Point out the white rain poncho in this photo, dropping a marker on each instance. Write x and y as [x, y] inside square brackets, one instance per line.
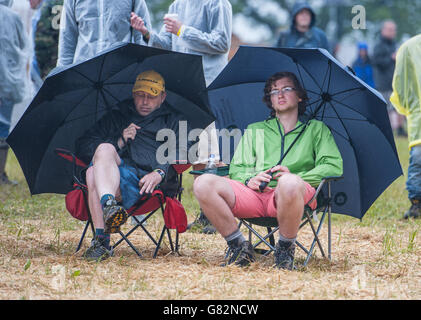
[207, 28]
[406, 96]
[13, 52]
[91, 26]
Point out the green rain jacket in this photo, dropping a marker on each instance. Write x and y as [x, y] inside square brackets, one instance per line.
[313, 156]
[406, 96]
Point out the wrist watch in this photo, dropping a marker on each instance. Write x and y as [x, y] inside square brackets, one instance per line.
[247, 181]
[161, 172]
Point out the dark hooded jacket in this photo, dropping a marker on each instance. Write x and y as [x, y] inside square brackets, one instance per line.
[383, 64]
[313, 38]
[141, 152]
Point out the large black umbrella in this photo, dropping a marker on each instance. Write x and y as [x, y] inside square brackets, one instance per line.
[72, 99]
[355, 113]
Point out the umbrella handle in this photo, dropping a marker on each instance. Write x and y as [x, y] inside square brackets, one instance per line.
[264, 184]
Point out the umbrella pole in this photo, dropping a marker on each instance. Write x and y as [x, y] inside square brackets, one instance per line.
[329, 225]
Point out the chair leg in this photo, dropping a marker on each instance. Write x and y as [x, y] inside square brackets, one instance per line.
[159, 242]
[85, 229]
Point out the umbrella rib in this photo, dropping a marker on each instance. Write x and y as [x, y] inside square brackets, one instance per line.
[349, 107]
[342, 123]
[348, 90]
[309, 74]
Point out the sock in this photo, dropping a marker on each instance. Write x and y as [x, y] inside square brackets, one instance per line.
[283, 239]
[103, 237]
[235, 239]
[105, 198]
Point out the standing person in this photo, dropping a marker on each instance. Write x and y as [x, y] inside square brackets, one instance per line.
[200, 27]
[13, 54]
[406, 98]
[362, 65]
[314, 156]
[303, 33]
[89, 27]
[383, 59]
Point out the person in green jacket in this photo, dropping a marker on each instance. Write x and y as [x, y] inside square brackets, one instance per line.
[313, 156]
[406, 98]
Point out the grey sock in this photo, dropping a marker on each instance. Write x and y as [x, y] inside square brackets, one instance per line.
[283, 239]
[235, 239]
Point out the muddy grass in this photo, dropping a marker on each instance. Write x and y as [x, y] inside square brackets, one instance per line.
[376, 258]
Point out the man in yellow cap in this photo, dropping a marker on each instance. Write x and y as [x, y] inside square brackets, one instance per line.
[122, 148]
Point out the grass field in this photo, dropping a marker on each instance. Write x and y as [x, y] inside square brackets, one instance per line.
[376, 258]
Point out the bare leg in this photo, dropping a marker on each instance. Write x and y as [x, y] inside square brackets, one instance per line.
[93, 200]
[106, 172]
[289, 196]
[216, 198]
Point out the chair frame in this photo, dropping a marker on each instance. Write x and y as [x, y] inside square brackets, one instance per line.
[272, 225]
[77, 179]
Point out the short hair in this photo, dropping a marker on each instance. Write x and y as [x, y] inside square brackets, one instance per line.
[301, 92]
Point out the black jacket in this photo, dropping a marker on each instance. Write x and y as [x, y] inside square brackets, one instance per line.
[142, 151]
[383, 64]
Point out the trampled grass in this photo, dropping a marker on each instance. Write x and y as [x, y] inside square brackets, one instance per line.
[375, 258]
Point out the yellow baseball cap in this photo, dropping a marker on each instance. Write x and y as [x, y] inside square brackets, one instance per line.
[149, 81]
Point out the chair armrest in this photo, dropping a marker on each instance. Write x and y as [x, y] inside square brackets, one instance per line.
[70, 156]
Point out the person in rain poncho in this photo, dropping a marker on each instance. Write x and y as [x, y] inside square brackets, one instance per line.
[201, 27]
[13, 44]
[406, 98]
[89, 27]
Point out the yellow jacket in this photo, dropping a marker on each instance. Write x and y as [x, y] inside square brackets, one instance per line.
[406, 96]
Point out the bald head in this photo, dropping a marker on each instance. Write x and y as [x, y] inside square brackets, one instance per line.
[389, 29]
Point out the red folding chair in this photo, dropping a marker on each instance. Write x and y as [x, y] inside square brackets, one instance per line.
[169, 204]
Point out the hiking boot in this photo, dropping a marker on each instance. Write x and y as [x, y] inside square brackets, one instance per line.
[114, 217]
[97, 251]
[202, 224]
[414, 211]
[284, 255]
[241, 255]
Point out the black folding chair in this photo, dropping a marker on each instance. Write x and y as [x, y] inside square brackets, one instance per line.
[324, 198]
[147, 205]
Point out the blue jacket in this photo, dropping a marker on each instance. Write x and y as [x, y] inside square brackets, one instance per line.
[364, 71]
[313, 38]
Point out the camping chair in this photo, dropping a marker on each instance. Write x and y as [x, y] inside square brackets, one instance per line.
[324, 198]
[77, 205]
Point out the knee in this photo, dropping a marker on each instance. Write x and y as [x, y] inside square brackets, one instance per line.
[203, 185]
[290, 187]
[104, 150]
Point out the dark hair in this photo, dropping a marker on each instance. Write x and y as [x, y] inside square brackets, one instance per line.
[297, 85]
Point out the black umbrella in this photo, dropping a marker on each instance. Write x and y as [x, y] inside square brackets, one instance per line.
[355, 113]
[73, 98]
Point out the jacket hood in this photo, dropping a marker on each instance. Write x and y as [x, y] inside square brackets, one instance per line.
[7, 3]
[298, 6]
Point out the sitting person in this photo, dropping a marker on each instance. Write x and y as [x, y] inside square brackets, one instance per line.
[122, 148]
[313, 156]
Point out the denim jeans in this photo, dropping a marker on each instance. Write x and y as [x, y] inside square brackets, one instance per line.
[413, 182]
[6, 108]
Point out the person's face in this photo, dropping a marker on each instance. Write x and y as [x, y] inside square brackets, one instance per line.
[146, 103]
[363, 53]
[284, 96]
[389, 30]
[303, 18]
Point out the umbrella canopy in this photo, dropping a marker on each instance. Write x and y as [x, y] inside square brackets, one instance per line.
[355, 113]
[73, 98]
